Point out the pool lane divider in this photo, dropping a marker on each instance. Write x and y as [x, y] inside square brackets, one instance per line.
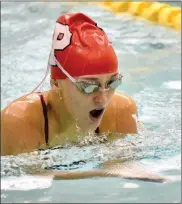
[155, 12]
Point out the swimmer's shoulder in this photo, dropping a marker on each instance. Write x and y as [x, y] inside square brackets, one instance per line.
[26, 107]
[123, 102]
[120, 115]
[21, 122]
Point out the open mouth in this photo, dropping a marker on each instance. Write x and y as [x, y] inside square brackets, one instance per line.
[96, 113]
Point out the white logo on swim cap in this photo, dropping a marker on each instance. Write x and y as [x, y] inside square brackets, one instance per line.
[60, 44]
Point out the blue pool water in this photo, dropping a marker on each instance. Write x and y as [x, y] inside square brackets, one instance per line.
[149, 58]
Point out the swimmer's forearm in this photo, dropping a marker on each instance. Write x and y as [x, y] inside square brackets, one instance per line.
[106, 173]
[77, 175]
[110, 169]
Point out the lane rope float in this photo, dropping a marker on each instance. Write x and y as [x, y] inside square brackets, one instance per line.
[155, 12]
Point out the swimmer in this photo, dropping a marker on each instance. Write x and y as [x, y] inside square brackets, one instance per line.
[82, 99]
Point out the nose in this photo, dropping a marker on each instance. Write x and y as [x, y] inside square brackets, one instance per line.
[101, 98]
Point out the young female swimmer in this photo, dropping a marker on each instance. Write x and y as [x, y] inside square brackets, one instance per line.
[84, 77]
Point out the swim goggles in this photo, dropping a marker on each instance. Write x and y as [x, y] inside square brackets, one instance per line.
[89, 87]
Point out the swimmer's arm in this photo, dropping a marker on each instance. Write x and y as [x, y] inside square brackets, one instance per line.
[119, 170]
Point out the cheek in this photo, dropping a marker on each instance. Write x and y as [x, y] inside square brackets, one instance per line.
[74, 99]
[69, 95]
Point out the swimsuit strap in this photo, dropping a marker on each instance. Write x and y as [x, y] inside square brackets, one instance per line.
[97, 130]
[46, 125]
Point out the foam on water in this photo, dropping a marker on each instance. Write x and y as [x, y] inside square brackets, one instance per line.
[25, 183]
[131, 185]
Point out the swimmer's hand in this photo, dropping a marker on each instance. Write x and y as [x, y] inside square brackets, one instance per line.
[126, 171]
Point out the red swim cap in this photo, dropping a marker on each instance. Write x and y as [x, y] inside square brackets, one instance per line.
[81, 47]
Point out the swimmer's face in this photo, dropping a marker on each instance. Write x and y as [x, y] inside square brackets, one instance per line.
[88, 109]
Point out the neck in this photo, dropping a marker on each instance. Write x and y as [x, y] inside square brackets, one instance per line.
[64, 124]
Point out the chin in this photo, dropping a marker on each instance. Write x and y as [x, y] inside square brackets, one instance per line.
[90, 126]
[94, 125]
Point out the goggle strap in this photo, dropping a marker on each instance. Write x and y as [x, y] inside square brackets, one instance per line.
[64, 71]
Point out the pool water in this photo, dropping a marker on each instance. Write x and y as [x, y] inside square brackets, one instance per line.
[150, 60]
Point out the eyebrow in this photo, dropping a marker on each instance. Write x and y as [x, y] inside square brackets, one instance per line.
[96, 79]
